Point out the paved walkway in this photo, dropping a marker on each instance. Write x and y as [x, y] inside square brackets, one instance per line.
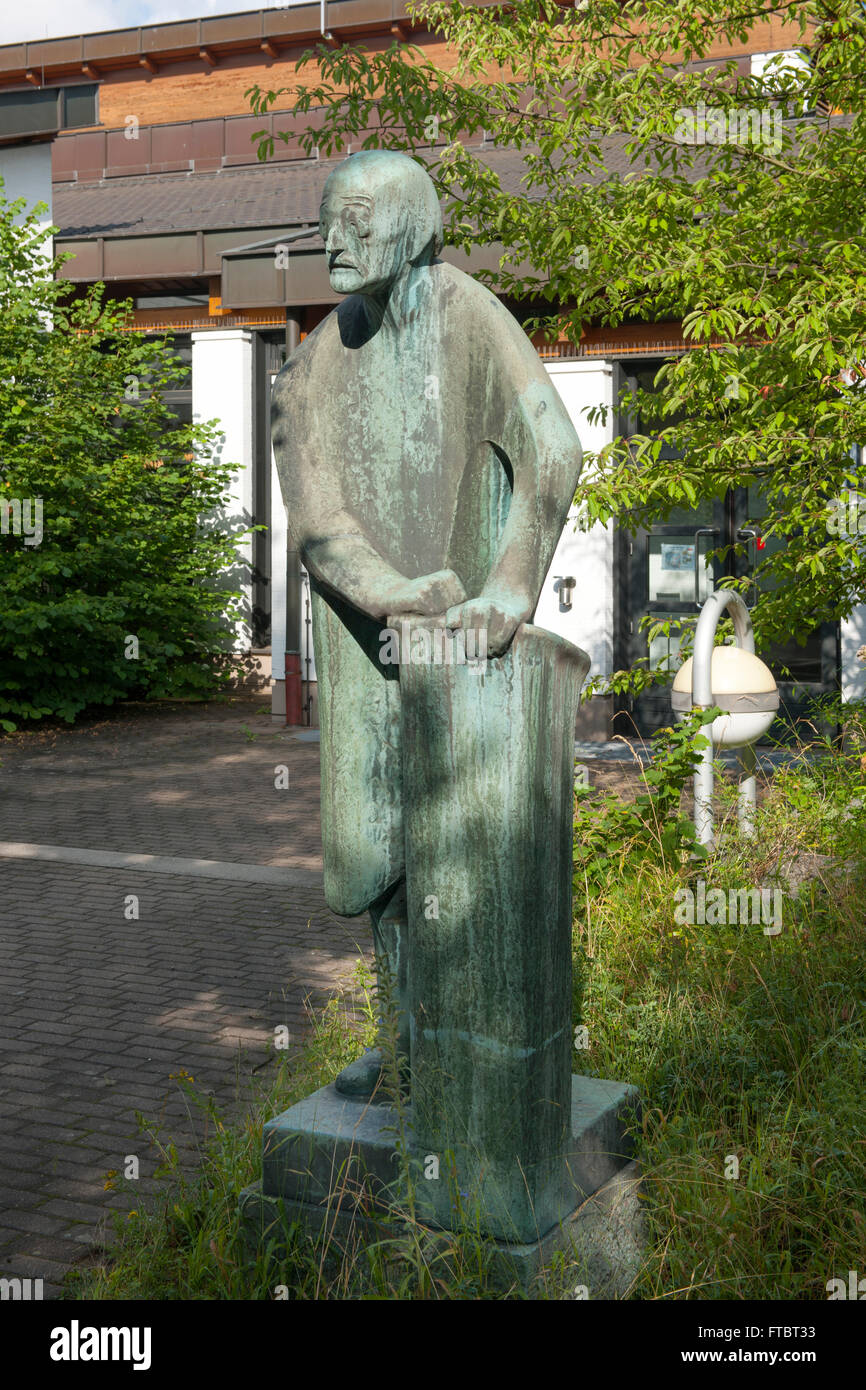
[160, 911]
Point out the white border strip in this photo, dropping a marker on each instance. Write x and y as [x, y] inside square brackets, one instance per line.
[164, 864]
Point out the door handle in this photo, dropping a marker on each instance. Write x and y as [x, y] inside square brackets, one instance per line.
[702, 531]
[748, 534]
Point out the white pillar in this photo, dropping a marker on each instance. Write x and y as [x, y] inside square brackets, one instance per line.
[26, 173]
[585, 555]
[853, 633]
[222, 389]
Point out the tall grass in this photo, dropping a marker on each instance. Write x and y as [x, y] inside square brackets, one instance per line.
[748, 1050]
[745, 1046]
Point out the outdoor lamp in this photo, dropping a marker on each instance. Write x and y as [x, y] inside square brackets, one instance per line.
[732, 679]
[743, 686]
[564, 586]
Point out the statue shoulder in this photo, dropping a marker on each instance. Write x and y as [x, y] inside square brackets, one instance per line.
[307, 358]
[489, 313]
[494, 329]
[454, 284]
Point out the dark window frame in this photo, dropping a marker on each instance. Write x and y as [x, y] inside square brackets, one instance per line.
[35, 111]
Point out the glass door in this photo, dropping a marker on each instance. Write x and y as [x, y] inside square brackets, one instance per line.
[664, 575]
[804, 671]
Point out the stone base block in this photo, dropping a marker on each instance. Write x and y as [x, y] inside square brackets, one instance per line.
[601, 1240]
[332, 1164]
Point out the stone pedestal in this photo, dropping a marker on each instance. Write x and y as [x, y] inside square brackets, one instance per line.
[488, 787]
[497, 1136]
[333, 1165]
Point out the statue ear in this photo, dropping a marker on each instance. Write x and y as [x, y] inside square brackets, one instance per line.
[429, 251]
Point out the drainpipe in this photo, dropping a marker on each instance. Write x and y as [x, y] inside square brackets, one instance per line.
[294, 688]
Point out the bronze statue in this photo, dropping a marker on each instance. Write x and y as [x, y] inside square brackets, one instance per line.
[427, 467]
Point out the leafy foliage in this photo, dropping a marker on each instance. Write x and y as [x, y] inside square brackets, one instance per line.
[752, 235]
[131, 542]
[651, 828]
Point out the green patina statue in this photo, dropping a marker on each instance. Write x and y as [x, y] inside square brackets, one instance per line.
[427, 465]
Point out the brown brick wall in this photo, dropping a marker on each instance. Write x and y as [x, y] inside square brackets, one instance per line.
[191, 90]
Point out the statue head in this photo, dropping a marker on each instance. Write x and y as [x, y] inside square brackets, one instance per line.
[379, 213]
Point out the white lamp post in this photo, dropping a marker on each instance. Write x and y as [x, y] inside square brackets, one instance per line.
[737, 682]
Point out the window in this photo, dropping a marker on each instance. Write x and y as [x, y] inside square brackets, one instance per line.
[28, 113]
[78, 106]
[47, 109]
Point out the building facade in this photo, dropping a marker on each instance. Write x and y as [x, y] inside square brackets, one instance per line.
[141, 141]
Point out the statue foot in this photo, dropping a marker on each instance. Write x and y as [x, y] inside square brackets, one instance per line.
[362, 1077]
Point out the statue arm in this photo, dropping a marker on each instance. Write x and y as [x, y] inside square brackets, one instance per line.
[334, 546]
[543, 450]
[347, 562]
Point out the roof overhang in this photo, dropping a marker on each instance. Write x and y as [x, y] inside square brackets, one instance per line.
[284, 270]
[257, 267]
[148, 46]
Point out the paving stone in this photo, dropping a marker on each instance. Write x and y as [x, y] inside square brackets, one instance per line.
[17, 1219]
[25, 1266]
[96, 1012]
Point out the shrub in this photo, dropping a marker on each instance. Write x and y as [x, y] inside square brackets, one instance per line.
[110, 510]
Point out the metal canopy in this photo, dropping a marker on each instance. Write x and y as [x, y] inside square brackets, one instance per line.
[256, 275]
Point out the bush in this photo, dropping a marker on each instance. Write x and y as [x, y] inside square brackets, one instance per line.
[113, 557]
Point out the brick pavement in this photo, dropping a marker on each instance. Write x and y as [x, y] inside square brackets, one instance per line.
[97, 1008]
[192, 782]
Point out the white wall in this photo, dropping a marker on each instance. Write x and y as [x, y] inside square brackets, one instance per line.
[305, 639]
[222, 389]
[785, 57]
[279, 549]
[853, 671]
[26, 173]
[587, 556]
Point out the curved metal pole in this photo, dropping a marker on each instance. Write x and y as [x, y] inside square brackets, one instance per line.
[702, 698]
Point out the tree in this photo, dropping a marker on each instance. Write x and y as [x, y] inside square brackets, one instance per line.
[741, 212]
[112, 553]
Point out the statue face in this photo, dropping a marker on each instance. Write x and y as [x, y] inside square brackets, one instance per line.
[346, 222]
[364, 248]
[379, 213]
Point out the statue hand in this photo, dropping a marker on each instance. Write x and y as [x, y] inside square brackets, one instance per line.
[430, 595]
[499, 617]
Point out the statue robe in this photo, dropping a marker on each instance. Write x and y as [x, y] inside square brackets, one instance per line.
[436, 443]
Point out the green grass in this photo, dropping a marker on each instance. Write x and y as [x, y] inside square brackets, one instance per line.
[187, 1244]
[744, 1046]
